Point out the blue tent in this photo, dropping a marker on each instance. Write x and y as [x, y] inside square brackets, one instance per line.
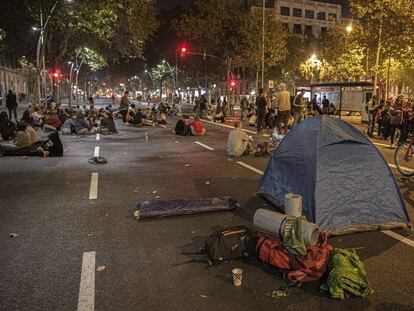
[345, 182]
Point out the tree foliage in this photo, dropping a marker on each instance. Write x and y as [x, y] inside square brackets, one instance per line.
[224, 29]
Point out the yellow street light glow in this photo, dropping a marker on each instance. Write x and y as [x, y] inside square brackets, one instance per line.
[349, 28]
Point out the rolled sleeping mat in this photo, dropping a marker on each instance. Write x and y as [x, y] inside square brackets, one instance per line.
[273, 223]
[293, 204]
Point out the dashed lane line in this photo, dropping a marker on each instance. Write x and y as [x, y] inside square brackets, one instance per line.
[96, 153]
[204, 146]
[93, 191]
[250, 167]
[399, 237]
[98, 136]
[86, 300]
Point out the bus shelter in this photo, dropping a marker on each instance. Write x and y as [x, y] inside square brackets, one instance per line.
[346, 96]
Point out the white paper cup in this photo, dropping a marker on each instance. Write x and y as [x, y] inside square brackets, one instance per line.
[237, 276]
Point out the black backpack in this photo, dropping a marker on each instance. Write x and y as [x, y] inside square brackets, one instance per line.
[55, 146]
[230, 243]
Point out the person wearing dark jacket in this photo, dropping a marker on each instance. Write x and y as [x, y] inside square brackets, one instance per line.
[181, 128]
[261, 107]
[7, 127]
[11, 104]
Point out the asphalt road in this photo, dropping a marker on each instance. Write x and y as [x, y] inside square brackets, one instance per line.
[47, 203]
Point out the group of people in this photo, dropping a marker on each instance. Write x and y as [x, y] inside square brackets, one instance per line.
[390, 118]
[283, 111]
[21, 138]
[137, 117]
[186, 126]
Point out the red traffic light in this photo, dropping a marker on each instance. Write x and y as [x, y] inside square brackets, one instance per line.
[183, 50]
[232, 83]
[55, 74]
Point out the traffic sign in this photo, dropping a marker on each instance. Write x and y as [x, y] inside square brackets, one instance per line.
[271, 84]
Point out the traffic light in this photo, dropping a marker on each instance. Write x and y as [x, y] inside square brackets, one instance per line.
[55, 75]
[183, 50]
[232, 83]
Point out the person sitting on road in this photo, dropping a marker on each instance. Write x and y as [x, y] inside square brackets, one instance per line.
[138, 119]
[151, 120]
[81, 126]
[23, 140]
[181, 128]
[69, 126]
[219, 114]
[196, 127]
[162, 119]
[91, 116]
[107, 125]
[239, 143]
[52, 123]
[7, 127]
[31, 131]
[63, 115]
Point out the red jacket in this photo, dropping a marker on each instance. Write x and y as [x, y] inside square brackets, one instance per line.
[198, 127]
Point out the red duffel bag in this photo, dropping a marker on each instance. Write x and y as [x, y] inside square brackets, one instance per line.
[310, 267]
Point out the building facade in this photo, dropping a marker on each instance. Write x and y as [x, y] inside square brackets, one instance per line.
[307, 18]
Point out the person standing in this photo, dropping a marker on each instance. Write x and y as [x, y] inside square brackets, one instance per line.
[261, 109]
[124, 106]
[396, 116]
[11, 104]
[325, 105]
[298, 107]
[244, 104]
[315, 107]
[372, 108]
[283, 109]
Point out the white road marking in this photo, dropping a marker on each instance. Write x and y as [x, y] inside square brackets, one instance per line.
[250, 167]
[93, 192]
[96, 153]
[399, 237]
[205, 146]
[86, 301]
[232, 127]
[98, 136]
[381, 145]
[162, 125]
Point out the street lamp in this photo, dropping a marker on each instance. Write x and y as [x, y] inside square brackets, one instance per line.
[349, 28]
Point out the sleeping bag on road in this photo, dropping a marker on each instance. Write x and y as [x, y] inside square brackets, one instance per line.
[163, 208]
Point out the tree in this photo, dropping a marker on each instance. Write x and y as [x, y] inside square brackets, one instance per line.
[2, 40]
[229, 31]
[250, 45]
[162, 73]
[387, 28]
[340, 57]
